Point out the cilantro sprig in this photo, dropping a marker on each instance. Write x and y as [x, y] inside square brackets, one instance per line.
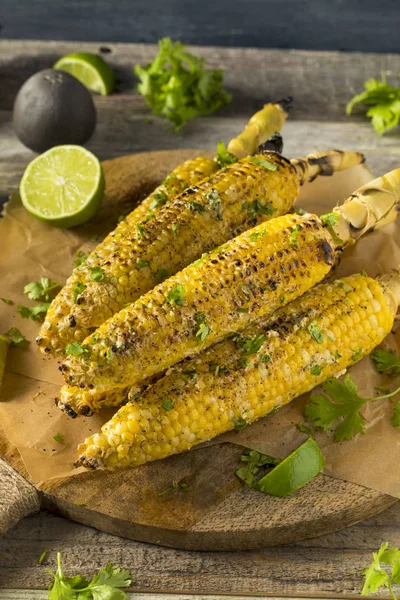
[384, 571]
[224, 158]
[341, 401]
[386, 361]
[254, 461]
[105, 585]
[44, 290]
[384, 101]
[177, 86]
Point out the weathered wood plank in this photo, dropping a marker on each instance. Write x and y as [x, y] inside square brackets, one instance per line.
[326, 566]
[39, 595]
[318, 25]
[321, 82]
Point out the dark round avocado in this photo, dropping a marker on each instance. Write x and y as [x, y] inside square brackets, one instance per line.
[53, 108]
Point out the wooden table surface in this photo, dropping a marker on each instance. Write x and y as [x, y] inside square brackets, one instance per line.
[321, 84]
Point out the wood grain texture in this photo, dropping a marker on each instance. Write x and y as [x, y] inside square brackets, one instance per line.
[319, 24]
[327, 566]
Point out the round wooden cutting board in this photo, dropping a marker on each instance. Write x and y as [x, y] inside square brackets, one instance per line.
[213, 511]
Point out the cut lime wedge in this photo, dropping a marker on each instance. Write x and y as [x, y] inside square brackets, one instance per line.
[294, 472]
[64, 186]
[91, 70]
[4, 343]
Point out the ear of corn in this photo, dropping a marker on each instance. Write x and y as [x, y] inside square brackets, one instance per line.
[251, 275]
[204, 216]
[248, 278]
[306, 343]
[59, 328]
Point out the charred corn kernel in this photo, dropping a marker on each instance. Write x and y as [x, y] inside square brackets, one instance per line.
[167, 240]
[270, 380]
[250, 276]
[55, 333]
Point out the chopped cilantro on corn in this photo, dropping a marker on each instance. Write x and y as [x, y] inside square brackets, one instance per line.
[330, 327]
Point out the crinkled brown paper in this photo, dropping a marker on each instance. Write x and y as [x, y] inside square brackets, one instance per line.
[30, 250]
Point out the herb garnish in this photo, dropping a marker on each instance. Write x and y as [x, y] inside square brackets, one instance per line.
[96, 274]
[76, 349]
[341, 400]
[176, 295]
[378, 575]
[167, 404]
[195, 206]
[161, 275]
[45, 289]
[315, 332]
[385, 104]
[262, 162]
[239, 423]
[203, 330]
[250, 345]
[254, 461]
[176, 85]
[386, 361]
[36, 313]
[293, 241]
[224, 158]
[7, 301]
[214, 201]
[79, 288]
[80, 258]
[160, 198]
[58, 438]
[15, 336]
[106, 585]
[258, 208]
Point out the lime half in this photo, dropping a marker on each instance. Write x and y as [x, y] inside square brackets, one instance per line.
[64, 186]
[91, 70]
[295, 471]
[4, 343]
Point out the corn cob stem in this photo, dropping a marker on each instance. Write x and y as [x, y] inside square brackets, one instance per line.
[100, 300]
[227, 385]
[260, 127]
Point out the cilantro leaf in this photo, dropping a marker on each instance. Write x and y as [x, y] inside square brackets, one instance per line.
[7, 301]
[330, 220]
[239, 423]
[293, 241]
[80, 258]
[96, 274]
[250, 345]
[45, 289]
[59, 438]
[79, 288]
[254, 460]
[202, 330]
[262, 162]
[224, 158]
[214, 201]
[384, 101]
[341, 400]
[161, 275]
[258, 208]
[386, 360]
[76, 349]
[159, 199]
[395, 420]
[315, 332]
[36, 313]
[253, 237]
[177, 86]
[377, 576]
[15, 336]
[167, 404]
[105, 585]
[176, 295]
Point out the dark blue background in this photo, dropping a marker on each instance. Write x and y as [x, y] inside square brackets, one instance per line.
[365, 25]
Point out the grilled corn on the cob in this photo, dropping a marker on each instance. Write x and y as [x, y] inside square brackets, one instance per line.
[312, 339]
[248, 278]
[102, 279]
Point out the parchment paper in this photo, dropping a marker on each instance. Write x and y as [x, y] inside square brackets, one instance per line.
[31, 249]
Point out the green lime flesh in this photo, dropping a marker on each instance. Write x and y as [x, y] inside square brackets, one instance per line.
[64, 186]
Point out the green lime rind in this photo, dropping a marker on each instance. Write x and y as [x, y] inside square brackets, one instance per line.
[4, 344]
[64, 186]
[91, 70]
[294, 472]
